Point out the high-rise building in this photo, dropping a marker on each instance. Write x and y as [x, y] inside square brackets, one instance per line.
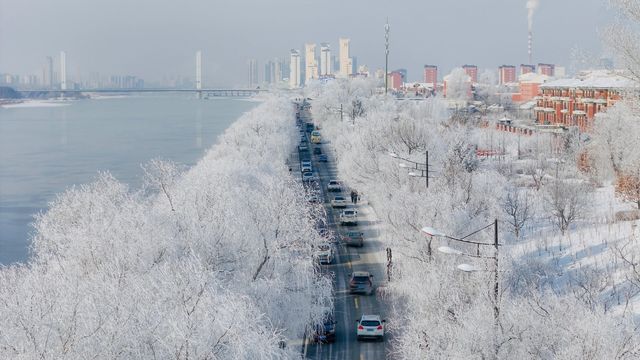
[396, 79]
[325, 60]
[48, 73]
[253, 73]
[277, 71]
[354, 65]
[507, 74]
[472, 71]
[294, 69]
[198, 70]
[310, 63]
[346, 63]
[335, 64]
[546, 69]
[431, 75]
[63, 70]
[525, 69]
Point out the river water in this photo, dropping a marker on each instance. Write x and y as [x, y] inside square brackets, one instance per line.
[46, 148]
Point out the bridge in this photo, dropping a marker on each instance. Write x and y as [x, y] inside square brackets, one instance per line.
[214, 92]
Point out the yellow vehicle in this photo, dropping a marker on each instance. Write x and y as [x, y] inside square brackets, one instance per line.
[315, 137]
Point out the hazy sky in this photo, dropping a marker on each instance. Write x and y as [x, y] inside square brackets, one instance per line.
[154, 38]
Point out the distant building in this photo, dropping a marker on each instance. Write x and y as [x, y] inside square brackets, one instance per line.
[546, 69]
[575, 102]
[325, 60]
[507, 74]
[472, 71]
[396, 80]
[294, 69]
[310, 63]
[253, 73]
[525, 69]
[48, 78]
[529, 85]
[346, 63]
[354, 65]
[431, 75]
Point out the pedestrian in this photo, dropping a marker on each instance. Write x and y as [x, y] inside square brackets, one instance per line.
[356, 196]
[353, 196]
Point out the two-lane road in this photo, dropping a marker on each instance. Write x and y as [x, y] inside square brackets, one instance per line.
[350, 307]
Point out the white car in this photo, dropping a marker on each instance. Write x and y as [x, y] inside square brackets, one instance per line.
[325, 254]
[334, 185]
[339, 202]
[370, 327]
[306, 166]
[349, 217]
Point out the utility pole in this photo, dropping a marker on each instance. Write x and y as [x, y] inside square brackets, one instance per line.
[496, 287]
[427, 167]
[386, 60]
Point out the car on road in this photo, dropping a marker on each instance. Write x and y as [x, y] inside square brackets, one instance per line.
[325, 254]
[303, 147]
[334, 185]
[353, 238]
[325, 332]
[309, 127]
[370, 327]
[361, 282]
[308, 176]
[305, 166]
[339, 202]
[323, 158]
[317, 151]
[349, 217]
[315, 137]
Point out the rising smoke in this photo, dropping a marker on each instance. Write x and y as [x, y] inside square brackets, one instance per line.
[531, 8]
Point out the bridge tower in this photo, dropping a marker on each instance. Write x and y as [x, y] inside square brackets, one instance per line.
[199, 73]
[63, 70]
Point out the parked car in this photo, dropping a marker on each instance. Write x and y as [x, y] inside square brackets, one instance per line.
[361, 282]
[334, 185]
[323, 158]
[349, 217]
[325, 332]
[317, 151]
[370, 327]
[353, 238]
[339, 202]
[309, 127]
[305, 166]
[325, 254]
[313, 198]
[303, 147]
[308, 176]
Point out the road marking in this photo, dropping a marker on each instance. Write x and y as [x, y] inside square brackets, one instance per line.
[355, 300]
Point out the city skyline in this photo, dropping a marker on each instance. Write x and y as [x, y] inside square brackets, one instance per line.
[163, 46]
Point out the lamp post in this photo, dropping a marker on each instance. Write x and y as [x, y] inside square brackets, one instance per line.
[386, 57]
[417, 166]
[470, 268]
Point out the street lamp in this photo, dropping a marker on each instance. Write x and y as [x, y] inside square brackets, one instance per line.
[386, 58]
[471, 268]
[418, 166]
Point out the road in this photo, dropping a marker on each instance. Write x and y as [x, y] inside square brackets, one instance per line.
[349, 308]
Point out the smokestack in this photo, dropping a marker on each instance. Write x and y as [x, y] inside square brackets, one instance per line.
[530, 47]
[531, 8]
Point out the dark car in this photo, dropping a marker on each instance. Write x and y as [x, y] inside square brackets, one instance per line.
[317, 151]
[361, 282]
[353, 238]
[323, 158]
[325, 332]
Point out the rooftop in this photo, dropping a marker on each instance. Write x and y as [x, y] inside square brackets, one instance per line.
[597, 79]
